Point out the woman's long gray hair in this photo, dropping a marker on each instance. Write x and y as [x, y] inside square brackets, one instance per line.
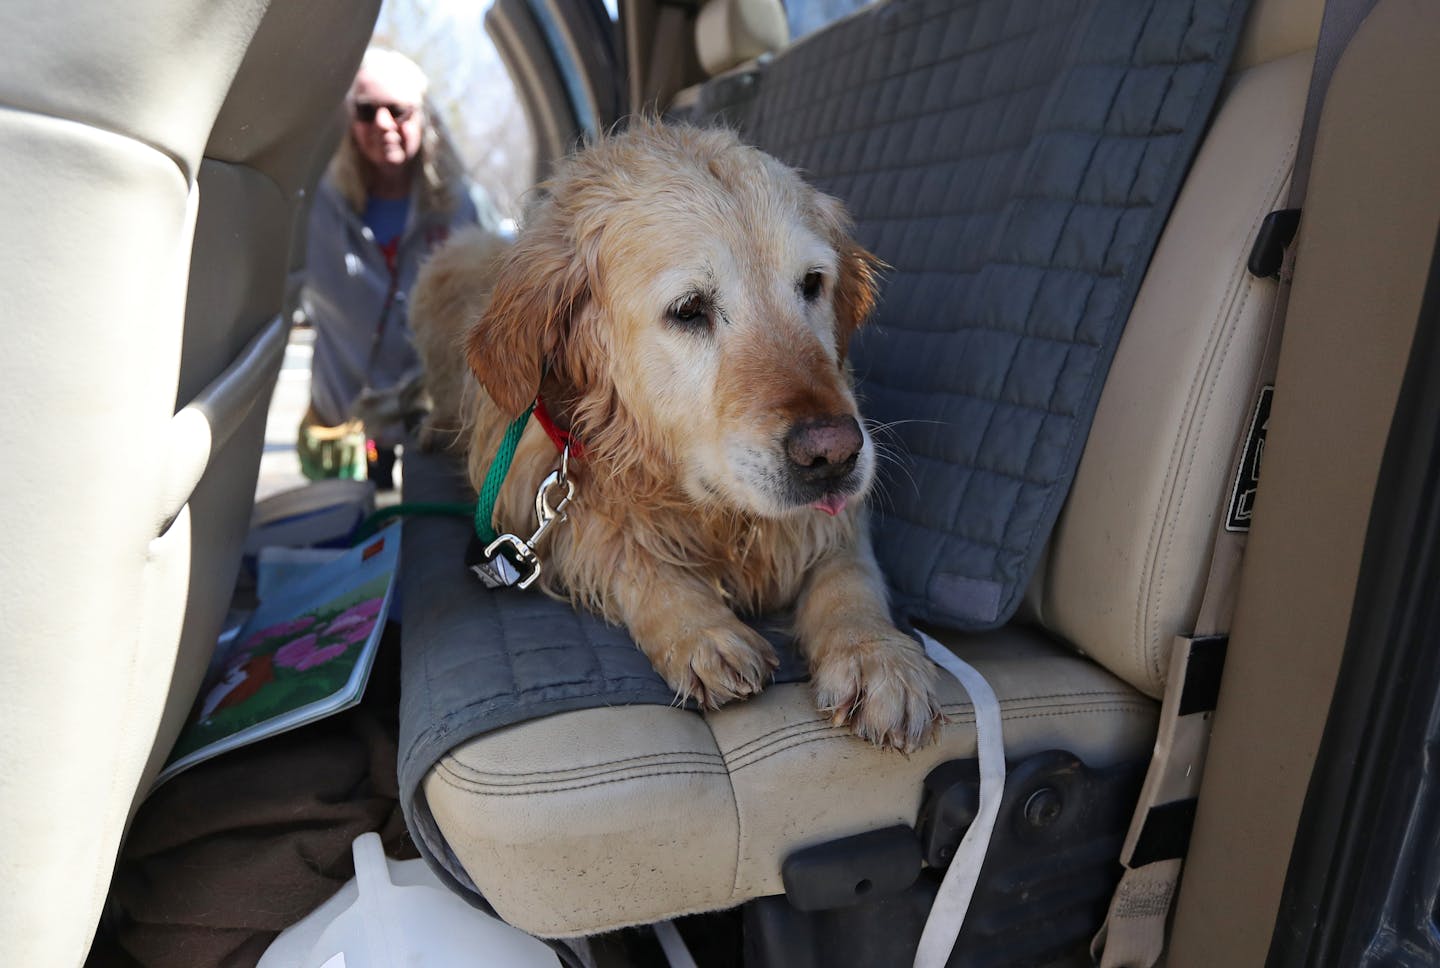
[437, 163]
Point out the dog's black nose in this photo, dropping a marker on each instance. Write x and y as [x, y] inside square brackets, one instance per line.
[825, 449]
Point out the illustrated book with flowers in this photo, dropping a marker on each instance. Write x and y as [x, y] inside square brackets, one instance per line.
[305, 653]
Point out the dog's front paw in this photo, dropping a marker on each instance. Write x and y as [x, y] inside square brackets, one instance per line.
[882, 688]
[715, 664]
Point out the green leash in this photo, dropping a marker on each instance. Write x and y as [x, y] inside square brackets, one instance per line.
[495, 476]
[483, 509]
[420, 509]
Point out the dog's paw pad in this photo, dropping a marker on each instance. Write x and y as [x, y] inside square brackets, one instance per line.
[883, 691]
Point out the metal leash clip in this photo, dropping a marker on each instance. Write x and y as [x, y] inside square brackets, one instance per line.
[509, 553]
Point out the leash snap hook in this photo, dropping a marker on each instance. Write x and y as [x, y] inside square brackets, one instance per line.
[545, 512]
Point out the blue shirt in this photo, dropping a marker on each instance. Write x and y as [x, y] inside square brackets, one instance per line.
[347, 279]
[385, 217]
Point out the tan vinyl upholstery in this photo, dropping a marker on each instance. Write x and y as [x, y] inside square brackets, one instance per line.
[730, 32]
[1128, 559]
[730, 35]
[592, 820]
[1276, 29]
[156, 154]
[273, 137]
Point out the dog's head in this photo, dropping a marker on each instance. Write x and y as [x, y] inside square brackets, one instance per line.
[690, 300]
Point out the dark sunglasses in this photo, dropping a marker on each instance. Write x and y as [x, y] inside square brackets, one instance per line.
[366, 111]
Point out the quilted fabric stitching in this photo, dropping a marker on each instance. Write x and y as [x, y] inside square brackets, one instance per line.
[1151, 71]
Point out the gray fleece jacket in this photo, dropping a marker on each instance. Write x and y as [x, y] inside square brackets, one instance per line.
[347, 281]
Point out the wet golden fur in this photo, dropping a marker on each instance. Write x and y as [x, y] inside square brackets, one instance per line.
[450, 293]
[684, 516]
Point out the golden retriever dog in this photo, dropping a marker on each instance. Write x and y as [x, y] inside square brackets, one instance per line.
[453, 285]
[682, 304]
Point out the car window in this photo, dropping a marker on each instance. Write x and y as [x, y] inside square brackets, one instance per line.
[808, 16]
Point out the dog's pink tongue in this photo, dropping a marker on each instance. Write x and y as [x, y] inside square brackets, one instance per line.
[831, 504]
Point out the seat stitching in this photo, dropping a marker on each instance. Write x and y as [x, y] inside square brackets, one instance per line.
[187, 171]
[1098, 374]
[1223, 317]
[780, 146]
[951, 161]
[1018, 702]
[606, 763]
[957, 711]
[508, 696]
[1129, 707]
[734, 805]
[460, 784]
[898, 390]
[772, 737]
[699, 757]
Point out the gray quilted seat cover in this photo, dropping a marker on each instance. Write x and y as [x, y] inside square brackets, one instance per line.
[1014, 162]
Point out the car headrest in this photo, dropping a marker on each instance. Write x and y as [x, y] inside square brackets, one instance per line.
[1276, 29]
[730, 32]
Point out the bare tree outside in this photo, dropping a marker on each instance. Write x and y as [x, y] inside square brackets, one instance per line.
[470, 87]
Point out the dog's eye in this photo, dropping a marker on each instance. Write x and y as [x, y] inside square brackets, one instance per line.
[811, 285]
[692, 312]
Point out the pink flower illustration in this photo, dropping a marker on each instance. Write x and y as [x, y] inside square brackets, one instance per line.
[354, 634]
[305, 653]
[362, 614]
[320, 656]
[292, 653]
[281, 629]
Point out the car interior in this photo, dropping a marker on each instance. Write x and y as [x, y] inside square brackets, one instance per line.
[162, 158]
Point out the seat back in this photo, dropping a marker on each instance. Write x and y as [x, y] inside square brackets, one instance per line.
[157, 154]
[272, 140]
[1128, 559]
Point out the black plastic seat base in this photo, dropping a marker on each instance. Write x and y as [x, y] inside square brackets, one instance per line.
[1048, 877]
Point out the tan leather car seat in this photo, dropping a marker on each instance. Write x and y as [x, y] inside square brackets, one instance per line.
[590, 820]
[157, 156]
[730, 35]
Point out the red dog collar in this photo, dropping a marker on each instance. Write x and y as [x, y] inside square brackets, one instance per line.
[560, 438]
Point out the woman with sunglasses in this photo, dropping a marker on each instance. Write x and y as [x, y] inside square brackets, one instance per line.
[394, 190]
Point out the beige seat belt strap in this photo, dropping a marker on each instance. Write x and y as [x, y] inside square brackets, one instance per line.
[1133, 935]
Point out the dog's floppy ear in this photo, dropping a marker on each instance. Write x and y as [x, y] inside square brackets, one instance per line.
[855, 290]
[858, 283]
[542, 286]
